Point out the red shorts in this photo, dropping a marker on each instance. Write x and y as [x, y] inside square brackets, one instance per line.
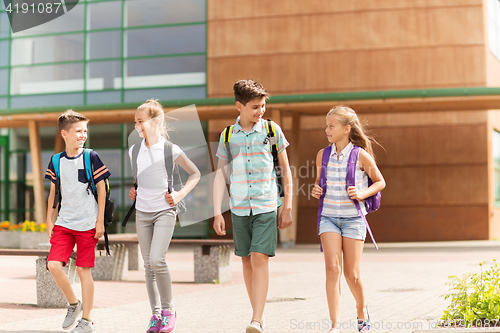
[63, 241]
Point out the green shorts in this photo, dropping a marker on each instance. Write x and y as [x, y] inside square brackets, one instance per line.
[255, 233]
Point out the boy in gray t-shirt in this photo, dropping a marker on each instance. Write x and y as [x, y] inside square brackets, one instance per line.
[80, 220]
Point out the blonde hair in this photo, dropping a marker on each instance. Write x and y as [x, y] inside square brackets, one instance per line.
[155, 110]
[358, 136]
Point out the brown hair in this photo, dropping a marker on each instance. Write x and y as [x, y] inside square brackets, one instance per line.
[155, 110]
[68, 118]
[246, 90]
[358, 136]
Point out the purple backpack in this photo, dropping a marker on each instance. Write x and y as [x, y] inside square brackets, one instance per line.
[372, 203]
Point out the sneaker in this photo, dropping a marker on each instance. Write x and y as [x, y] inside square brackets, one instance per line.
[83, 326]
[365, 325]
[154, 325]
[254, 327]
[168, 319]
[73, 313]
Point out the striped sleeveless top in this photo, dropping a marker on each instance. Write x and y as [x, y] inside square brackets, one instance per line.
[337, 202]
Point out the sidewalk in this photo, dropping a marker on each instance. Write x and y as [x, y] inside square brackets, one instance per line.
[402, 281]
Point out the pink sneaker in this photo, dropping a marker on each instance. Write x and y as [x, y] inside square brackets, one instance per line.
[168, 318]
[154, 325]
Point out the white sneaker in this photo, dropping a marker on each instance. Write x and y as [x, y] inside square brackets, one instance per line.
[73, 313]
[83, 326]
[254, 327]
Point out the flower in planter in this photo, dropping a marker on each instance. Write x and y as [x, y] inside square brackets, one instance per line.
[5, 225]
[27, 226]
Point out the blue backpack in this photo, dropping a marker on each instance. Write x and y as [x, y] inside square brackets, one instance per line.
[87, 165]
[372, 203]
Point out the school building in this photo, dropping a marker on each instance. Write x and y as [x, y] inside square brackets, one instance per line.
[423, 74]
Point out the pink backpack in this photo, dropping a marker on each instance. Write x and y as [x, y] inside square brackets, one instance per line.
[372, 203]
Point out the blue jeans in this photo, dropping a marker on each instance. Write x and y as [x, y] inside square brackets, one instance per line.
[350, 227]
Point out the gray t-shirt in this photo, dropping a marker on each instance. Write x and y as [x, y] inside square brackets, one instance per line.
[78, 206]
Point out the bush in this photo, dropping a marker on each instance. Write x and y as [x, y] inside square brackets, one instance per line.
[475, 298]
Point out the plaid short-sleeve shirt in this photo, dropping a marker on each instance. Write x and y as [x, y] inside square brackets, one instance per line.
[253, 186]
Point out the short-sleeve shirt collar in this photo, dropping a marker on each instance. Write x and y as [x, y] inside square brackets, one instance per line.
[344, 151]
[257, 127]
[157, 146]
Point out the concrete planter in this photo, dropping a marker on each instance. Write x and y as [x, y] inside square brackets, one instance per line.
[22, 240]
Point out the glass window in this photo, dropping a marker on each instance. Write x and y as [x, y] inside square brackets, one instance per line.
[106, 44]
[165, 94]
[104, 15]
[66, 100]
[46, 79]
[4, 53]
[165, 72]
[4, 81]
[494, 26]
[104, 97]
[4, 25]
[27, 51]
[110, 157]
[3, 104]
[71, 21]
[104, 75]
[155, 12]
[496, 161]
[169, 40]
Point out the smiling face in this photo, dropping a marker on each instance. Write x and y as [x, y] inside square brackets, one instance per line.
[144, 125]
[335, 131]
[76, 135]
[253, 111]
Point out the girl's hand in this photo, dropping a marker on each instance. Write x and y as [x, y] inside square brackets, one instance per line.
[317, 191]
[132, 194]
[173, 198]
[354, 194]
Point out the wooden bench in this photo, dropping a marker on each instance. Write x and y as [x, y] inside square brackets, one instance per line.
[48, 295]
[212, 257]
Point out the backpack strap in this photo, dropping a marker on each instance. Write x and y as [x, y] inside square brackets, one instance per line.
[350, 180]
[226, 134]
[135, 154]
[89, 172]
[169, 164]
[55, 163]
[322, 183]
[273, 142]
[89, 175]
[172, 169]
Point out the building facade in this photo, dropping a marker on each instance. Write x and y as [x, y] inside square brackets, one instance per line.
[424, 75]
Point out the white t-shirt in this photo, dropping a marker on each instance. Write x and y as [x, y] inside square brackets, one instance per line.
[152, 177]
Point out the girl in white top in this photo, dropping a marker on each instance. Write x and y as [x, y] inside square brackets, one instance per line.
[155, 210]
[342, 231]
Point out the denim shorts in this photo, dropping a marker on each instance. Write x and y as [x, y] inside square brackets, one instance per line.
[350, 227]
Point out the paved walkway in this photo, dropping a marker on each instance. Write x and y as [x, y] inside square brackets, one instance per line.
[403, 283]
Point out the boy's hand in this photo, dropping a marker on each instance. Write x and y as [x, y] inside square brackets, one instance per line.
[355, 194]
[99, 229]
[132, 194]
[285, 219]
[317, 191]
[219, 225]
[173, 198]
